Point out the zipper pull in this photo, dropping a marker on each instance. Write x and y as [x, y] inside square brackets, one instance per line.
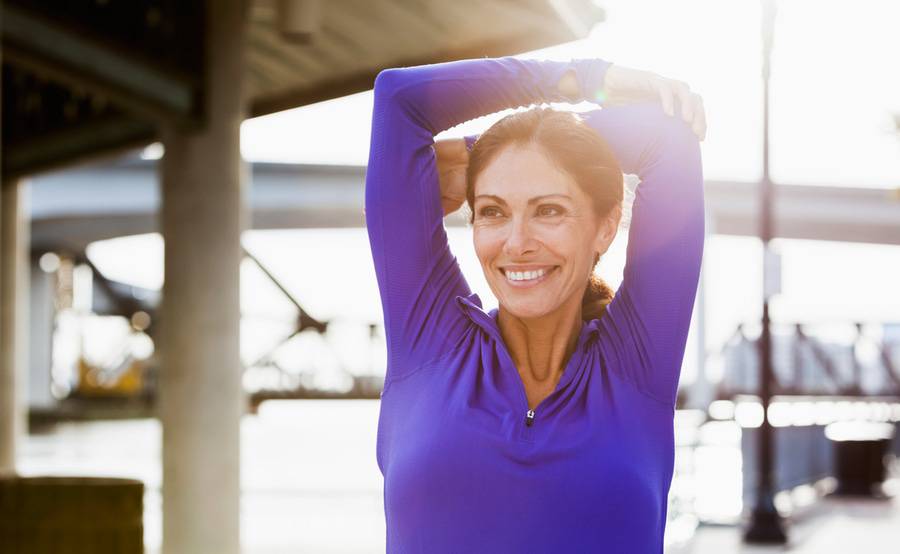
[529, 418]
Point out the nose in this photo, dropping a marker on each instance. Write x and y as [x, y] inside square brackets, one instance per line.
[520, 240]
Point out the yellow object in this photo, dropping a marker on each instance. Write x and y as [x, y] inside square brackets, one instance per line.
[95, 381]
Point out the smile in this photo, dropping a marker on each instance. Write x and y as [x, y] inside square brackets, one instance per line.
[525, 279]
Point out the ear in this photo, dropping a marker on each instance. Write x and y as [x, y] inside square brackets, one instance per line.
[606, 232]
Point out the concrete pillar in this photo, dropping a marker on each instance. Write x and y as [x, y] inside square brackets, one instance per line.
[42, 316]
[14, 275]
[201, 399]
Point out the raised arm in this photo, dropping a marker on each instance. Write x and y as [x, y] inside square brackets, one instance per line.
[647, 321]
[418, 276]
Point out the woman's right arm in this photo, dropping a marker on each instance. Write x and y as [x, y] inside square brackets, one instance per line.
[418, 276]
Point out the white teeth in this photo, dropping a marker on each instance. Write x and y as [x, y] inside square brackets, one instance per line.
[524, 275]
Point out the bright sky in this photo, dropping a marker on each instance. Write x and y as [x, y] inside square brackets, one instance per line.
[834, 89]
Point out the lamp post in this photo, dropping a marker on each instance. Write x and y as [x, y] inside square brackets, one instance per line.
[766, 525]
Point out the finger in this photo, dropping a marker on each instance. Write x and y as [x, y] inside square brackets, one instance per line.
[702, 117]
[686, 100]
[699, 123]
[665, 97]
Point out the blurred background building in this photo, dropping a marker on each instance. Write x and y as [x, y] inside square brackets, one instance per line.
[235, 367]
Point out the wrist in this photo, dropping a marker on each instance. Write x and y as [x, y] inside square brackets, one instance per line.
[591, 74]
[568, 86]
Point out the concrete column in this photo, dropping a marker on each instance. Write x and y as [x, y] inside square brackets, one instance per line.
[14, 275]
[201, 399]
[42, 316]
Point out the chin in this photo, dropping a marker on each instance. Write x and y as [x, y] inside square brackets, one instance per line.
[527, 310]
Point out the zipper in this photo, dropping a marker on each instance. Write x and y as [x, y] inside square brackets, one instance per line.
[490, 325]
[529, 413]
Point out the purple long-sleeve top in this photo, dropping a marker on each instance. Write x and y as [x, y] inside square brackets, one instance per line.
[464, 469]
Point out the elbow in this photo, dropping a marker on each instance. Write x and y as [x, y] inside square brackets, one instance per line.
[386, 80]
[673, 129]
[390, 81]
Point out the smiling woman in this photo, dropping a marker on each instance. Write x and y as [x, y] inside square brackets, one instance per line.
[531, 428]
[574, 215]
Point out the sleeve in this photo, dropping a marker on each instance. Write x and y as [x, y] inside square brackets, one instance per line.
[647, 322]
[418, 277]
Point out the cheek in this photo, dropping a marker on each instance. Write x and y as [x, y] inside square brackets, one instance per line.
[488, 244]
[566, 239]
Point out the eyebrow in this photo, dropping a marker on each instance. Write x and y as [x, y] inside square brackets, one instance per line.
[531, 201]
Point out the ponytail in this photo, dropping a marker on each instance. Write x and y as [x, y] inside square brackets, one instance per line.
[597, 295]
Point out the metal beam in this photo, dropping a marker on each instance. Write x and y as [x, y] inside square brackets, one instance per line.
[815, 212]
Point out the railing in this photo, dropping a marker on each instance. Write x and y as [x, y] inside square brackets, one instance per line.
[858, 360]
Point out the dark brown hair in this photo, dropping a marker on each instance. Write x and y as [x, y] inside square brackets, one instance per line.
[575, 148]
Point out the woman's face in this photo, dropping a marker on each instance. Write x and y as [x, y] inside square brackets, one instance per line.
[531, 217]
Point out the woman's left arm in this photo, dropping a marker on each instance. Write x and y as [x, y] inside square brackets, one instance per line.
[648, 320]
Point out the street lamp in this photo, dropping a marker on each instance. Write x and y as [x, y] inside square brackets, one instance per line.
[766, 525]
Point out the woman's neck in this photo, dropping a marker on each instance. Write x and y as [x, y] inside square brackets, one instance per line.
[541, 347]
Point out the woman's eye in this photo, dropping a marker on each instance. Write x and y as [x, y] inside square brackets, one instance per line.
[487, 212]
[551, 210]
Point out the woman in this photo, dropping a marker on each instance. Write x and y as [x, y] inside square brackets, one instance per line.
[544, 425]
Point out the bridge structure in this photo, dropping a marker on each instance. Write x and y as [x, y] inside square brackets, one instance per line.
[73, 208]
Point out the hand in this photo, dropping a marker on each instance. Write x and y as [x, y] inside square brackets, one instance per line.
[624, 85]
[452, 161]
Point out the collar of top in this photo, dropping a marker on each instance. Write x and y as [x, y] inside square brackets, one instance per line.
[472, 307]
